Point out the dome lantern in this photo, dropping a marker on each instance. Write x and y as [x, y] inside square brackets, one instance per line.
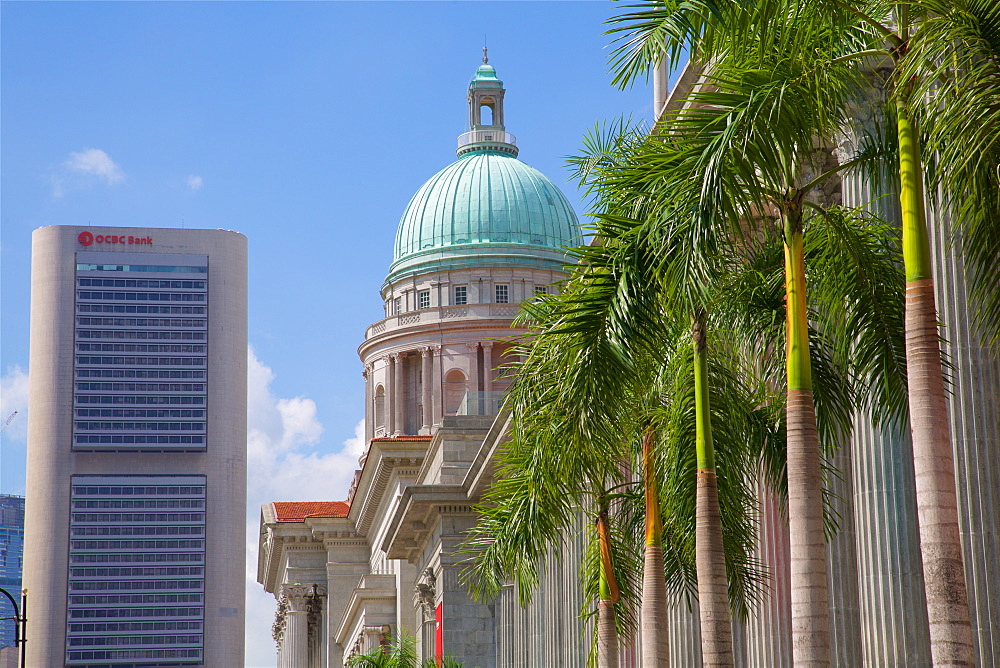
[487, 131]
[487, 206]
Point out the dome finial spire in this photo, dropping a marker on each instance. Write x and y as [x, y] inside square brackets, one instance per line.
[486, 59]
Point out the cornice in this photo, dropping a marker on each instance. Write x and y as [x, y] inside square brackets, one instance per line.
[414, 517]
[361, 597]
[430, 329]
[383, 459]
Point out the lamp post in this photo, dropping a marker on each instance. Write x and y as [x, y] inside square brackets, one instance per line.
[20, 621]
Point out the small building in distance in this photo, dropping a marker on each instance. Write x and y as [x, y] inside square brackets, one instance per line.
[11, 561]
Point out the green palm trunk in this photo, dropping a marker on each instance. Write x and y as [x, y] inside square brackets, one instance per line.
[933, 464]
[710, 556]
[810, 609]
[653, 614]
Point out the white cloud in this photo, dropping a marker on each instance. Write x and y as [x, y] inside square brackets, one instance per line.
[195, 182]
[96, 162]
[14, 397]
[285, 463]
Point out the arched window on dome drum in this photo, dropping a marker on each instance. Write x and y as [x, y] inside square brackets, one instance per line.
[455, 388]
[379, 407]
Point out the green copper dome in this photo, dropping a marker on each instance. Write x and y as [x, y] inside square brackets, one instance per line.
[486, 72]
[487, 208]
[487, 203]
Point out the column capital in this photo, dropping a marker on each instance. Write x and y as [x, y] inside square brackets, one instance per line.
[425, 351]
[395, 356]
[473, 345]
[299, 596]
[487, 345]
[435, 348]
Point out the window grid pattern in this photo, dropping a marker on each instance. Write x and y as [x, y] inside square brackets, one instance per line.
[461, 295]
[131, 329]
[424, 299]
[502, 293]
[136, 569]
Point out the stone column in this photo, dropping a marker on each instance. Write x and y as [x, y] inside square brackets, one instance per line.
[399, 400]
[437, 389]
[316, 628]
[369, 403]
[472, 398]
[425, 381]
[296, 639]
[390, 394]
[487, 378]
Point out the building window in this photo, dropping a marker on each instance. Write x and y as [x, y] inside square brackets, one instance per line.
[397, 305]
[541, 290]
[424, 299]
[502, 293]
[454, 392]
[380, 408]
[461, 295]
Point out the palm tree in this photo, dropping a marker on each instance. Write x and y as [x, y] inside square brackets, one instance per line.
[748, 137]
[952, 45]
[590, 366]
[949, 46]
[400, 652]
[680, 288]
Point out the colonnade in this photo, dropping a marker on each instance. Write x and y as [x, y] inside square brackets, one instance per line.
[478, 373]
[298, 627]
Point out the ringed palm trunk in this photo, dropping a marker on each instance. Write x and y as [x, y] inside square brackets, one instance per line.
[933, 464]
[710, 556]
[810, 604]
[653, 613]
[607, 623]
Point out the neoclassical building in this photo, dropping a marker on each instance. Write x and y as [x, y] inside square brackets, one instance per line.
[481, 236]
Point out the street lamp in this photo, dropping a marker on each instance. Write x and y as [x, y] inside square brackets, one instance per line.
[20, 621]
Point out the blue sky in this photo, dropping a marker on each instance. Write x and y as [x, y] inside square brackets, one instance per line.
[306, 126]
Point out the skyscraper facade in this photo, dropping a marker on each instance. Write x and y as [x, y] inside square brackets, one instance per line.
[136, 447]
[11, 560]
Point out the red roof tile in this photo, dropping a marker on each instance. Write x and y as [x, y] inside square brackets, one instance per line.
[298, 511]
[389, 439]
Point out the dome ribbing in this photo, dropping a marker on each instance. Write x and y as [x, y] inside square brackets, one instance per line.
[485, 203]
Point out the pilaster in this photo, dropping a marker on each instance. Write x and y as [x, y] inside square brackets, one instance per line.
[426, 383]
[472, 397]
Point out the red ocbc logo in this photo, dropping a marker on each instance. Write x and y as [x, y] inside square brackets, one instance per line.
[87, 238]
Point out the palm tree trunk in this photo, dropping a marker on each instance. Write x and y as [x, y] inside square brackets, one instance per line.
[607, 623]
[710, 556]
[933, 464]
[607, 635]
[810, 600]
[653, 613]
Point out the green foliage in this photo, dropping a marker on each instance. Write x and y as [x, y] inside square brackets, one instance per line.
[401, 652]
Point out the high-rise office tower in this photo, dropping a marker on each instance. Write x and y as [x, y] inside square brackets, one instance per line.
[136, 485]
[11, 559]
